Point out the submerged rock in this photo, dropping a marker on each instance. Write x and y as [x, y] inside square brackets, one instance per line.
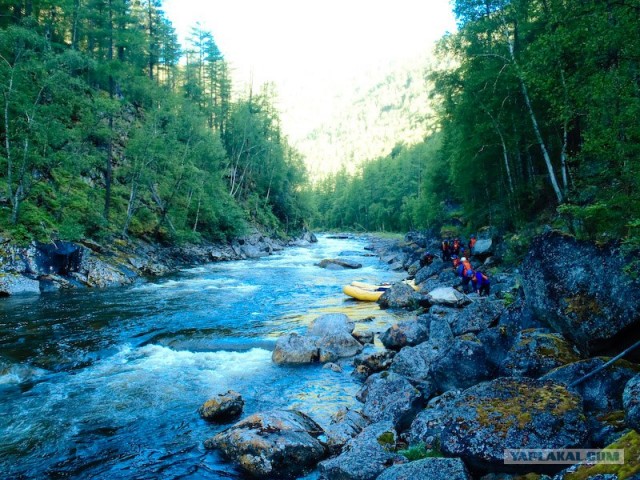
[338, 263]
[223, 407]
[274, 444]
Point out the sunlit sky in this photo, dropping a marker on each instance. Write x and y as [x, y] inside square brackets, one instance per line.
[311, 49]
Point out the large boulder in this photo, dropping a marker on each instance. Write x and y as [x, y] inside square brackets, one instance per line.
[278, 443]
[389, 396]
[376, 361]
[338, 264]
[536, 352]
[400, 295]
[416, 362]
[510, 413]
[428, 468]
[365, 456]
[601, 392]
[631, 402]
[461, 365]
[295, 348]
[428, 425]
[345, 425]
[447, 296]
[429, 271]
[330, 324]
[336, 346]
[480, 315]
[407, 333]
[483, 247]
[14, 284]
[581, 290]
[223, 407]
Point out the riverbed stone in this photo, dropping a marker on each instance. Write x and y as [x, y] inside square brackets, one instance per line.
[223, 407]
[389, 396]
[335, 346]
[295, 348]
[365, 456]
[339, 263]
[274, 444]
[428, 468]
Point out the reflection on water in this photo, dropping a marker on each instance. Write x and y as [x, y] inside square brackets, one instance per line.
[108, 383]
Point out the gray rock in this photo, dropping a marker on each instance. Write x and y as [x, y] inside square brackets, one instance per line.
[416, 362]
[440, 332]
[603, 391]
[339, 263]
[400, 295]
[483, 247]
[631, 402]
[278, 443]
[429, 271]
[581, 290]
[345, 425]
[510, 413]
[460, 366]
[364, 337]
[375, 362]
[536, 352]
[480, 315]
[294, 348]
[389, 396]
[223, 407]
[447, 296]
[365, 456]
[14, 284]
[334, 367]
[428, 468]
[428, 425]
[407, 333]
[336, 346]
[330, 324]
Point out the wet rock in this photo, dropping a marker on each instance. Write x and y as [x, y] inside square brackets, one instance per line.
[375, 362]
[428, 468]
[338, 263]
[400, 295]
[334, 367]
[447, 296]
[272, 444]
[345, 425]
[330, 324]
[336, 346]
[480, 315]
[601, 392]
[407, 333]
[462, 365]
[14, 284]
[364, 337]
[223, 407]
[294, 348]
[389, 396]
[536, 352]
[631, 402]
[510, 413]
[365, 456]
[581, 290]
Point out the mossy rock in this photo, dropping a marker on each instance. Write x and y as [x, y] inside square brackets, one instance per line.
[511, 413]
[630, 443]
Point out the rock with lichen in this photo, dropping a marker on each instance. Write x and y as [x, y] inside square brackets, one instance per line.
[407, 333]
[223, 407]
[365, 456]
[581, 290]
[274, 444]
[428, 468]
[631, 401]
[511, 413]
[536, 352]
[461, 365]
[345, 425]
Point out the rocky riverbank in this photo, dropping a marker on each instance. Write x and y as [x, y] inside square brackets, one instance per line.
[445, 393]
[45, 267]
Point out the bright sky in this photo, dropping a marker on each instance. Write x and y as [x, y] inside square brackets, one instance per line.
[312, 49]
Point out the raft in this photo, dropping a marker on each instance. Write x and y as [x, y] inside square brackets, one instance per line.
[360, 293]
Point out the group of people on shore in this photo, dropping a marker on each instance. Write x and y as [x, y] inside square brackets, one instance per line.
[472, 280]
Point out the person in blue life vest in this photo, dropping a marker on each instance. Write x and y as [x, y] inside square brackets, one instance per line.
[481, 284]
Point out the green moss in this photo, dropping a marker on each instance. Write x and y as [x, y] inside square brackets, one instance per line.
[518, 403]
[582, 307]
[630, 443]
[470, 337]
[387, 440]
[614, 418]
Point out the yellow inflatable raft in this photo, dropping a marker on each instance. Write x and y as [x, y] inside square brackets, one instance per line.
[360, 293]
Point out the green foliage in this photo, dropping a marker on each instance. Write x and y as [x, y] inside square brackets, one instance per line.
[419, 451]
[106, 135]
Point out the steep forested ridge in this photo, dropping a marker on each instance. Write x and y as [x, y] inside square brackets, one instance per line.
[110, 127]
[538, 104]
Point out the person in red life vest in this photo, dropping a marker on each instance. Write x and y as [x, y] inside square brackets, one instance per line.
[467, 264]
[465, 272]
[481, 284]
[455, 249]
[472, 243]
[446, 250]
[426, 259]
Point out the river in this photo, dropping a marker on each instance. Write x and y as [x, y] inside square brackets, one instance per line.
[107, 383]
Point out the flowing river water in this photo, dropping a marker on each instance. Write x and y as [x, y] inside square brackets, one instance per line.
[107, 383]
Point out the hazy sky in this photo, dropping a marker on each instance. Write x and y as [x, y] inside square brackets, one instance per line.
[312, 48]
